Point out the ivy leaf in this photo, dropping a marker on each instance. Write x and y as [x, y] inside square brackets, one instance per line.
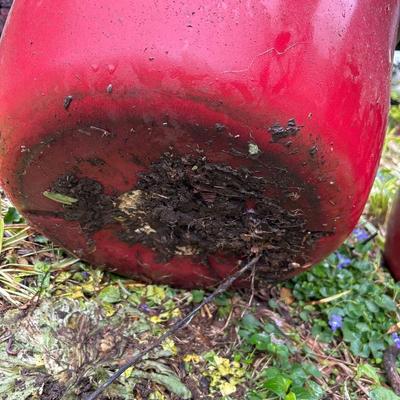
[312, 370]
[172, 384]
[110, 294]
[381, 393]
[349, 335]
[303, 394]
[377, 346]
[372, 306]
[197, 296]
[278, 385]
[250, 322]
[386, 303]
[12, 216]
[316, 390]
[368, 371]
[261, 340]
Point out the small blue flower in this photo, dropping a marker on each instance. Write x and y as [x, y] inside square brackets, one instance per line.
[144, 308]
[396, 340]
[335, 322]
[85, 275]
[343, 261]
[360, 234]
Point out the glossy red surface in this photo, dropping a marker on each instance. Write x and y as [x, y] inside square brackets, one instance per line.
[177, 69]
[392, 243]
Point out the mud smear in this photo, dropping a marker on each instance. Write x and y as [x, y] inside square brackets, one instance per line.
[185, 205]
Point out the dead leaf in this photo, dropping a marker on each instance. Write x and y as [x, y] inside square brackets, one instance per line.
[286, 296]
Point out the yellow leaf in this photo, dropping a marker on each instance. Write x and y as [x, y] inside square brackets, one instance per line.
[227, 388]
[191, 358]
[170, 346]
[109, 309]
[128, 372]
[88, 288]
[156, 319]
[175, 313]
[62, 277]
[223, 365]
[75, 293]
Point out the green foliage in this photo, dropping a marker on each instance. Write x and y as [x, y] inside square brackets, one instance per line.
[110, 294]
[367, 308]
[285, 379]
[382, 393]
[43, 278]
[368, 371]
[197, 296]
[382, 193]
[224, 303]
[12, 216]
[388, 177]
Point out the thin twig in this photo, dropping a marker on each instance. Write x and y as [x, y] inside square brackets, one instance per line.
[174, 328]
[253, 291]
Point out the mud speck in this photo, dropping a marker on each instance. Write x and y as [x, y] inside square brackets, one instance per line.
[220, 127]
[67, 102]
[313, 151]
[279, 132]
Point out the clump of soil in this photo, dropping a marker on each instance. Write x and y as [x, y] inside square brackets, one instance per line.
[93, 209]
[279, 132]
[52, 390]
[185, 205]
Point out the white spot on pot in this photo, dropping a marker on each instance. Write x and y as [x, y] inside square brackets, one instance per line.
[254, 149]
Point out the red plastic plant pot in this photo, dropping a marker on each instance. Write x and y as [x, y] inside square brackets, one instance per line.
[170, 140]
[392, 244]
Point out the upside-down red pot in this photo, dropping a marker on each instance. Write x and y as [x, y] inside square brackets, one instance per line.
[392, 240]
[170, 140]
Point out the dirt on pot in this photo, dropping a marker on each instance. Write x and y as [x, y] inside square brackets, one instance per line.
[186, 205]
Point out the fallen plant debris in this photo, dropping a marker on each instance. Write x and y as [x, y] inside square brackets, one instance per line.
[181, 323]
